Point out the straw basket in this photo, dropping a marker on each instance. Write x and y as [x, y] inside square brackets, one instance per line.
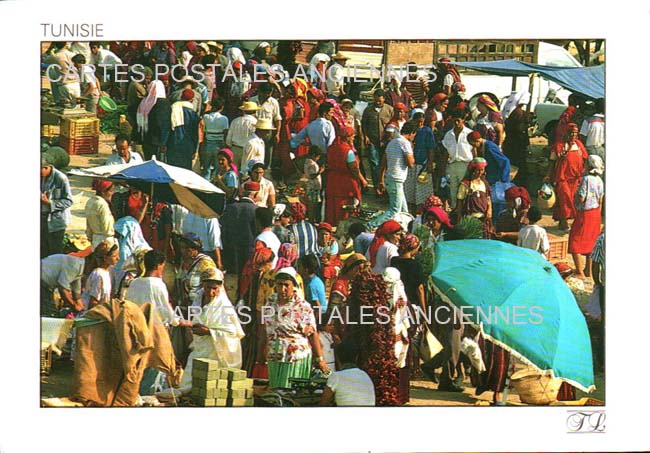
[546, 204]
[534, 388]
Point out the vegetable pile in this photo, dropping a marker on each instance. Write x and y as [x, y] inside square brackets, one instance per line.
[110, 122]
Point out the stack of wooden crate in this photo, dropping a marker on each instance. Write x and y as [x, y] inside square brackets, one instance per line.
[80, 135]
[213, 386]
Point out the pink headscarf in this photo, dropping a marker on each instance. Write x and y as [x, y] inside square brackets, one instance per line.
[156, 91]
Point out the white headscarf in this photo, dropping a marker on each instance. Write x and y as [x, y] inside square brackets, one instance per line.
[156, 90]
[235, 54]
[516, 98]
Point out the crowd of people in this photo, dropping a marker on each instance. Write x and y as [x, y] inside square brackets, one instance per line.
[294, 159]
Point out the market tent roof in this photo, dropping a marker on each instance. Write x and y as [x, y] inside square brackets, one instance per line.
[588, 81]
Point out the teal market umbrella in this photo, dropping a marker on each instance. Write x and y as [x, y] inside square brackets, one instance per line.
[520, 303]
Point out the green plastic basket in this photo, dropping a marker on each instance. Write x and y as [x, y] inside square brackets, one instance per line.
[107, 104]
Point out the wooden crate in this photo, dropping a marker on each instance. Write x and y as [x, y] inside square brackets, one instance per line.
[82, 145]
[49, 131]
[80, 127]
[559, 247]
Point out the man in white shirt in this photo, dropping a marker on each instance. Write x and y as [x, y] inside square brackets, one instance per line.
[152, 288]
[395, 163]
[460, 154]
[349, 386]
[106, 63]
[241, 129]
[255, 149]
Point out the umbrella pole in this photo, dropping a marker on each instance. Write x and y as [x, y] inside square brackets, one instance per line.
[151, 203]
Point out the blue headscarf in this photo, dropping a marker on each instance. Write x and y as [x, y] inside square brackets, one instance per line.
[131, 238]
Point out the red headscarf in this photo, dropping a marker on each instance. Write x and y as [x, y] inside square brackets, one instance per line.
[488, 102]
[287, 255]
[440, 214]
[519, 192]
[438, 98]
[227, 152]
[187, 95]
[386, 228]
[262, 256]
[101, 185]
[472, 137]
[431, 201]
[298, 211]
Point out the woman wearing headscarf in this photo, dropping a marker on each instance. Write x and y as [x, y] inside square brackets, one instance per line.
[562, 127]
[475, 197]
[135, 93]
[100, 223]
[132, 268]
[586, 227]
[384, 246]
[154, 120]
[344, 179]
[216, 330]
[294, 110]
[434, 115]
[289, 333]
[513, 217]
[489, 122]
[97, 288]
[130, 238]
[184, 138]
[226, 175]
[566, 169]
[515, 145]
[315, 98]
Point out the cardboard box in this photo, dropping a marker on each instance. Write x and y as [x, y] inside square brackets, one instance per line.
[243, 384]
[204, 384]
[223, 393]
[237, 394]
[205, 402]
[236, 402]
[204, 393]
[235, 374]
[222, 384]
[205, 365]
[250, 393]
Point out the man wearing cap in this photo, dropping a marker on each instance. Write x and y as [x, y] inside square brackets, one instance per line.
[459, 151]
[254, 149]
[184, 139]
[269, 110]
[56, 201]
[266, 195]
[239, 229]
[99, 219]
[241, 129]
[186, 82]
[374, 120]
[216, 329]
[335, 80]
[288, 333]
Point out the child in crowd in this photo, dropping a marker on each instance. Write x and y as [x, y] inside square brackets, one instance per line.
[350, 386]
[312, 172]
[533, 236]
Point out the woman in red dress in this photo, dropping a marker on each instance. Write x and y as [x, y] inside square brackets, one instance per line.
[295, 116]
[344, 180]
[566, 169]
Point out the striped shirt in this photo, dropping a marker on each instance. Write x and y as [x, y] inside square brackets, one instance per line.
[240, 130]
[306, 238]
[396, 166]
